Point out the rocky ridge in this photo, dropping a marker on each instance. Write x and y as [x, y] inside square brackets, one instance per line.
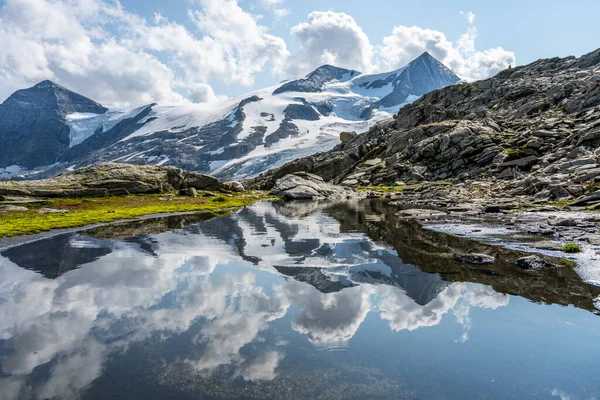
[106, 179]
[529, 135]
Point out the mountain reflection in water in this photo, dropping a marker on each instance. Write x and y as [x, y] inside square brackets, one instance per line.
[287, 301]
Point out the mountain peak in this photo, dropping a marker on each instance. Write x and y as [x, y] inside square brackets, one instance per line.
[46, 84]
[333, 70]
[315, 81]
[49, 95]
[426, 58]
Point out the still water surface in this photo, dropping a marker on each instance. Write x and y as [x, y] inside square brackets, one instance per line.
[288, 301]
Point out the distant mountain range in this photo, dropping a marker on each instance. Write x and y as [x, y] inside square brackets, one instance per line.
[48, 129]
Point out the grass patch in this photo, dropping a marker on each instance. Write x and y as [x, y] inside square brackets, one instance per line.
[88, 211]
[561, 203]
[515, 154]
[571, 248]
[567, 263]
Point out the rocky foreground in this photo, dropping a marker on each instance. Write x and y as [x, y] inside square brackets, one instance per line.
[530, 135]
[106, 179]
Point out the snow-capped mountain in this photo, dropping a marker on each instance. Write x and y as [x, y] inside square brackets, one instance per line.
[48, 128]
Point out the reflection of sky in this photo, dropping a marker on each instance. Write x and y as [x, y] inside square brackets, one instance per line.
[66, 329]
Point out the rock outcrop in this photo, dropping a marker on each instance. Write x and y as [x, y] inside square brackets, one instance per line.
[529, 132]
[117, 179]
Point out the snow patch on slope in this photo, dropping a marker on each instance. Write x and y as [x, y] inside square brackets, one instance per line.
[84, 125]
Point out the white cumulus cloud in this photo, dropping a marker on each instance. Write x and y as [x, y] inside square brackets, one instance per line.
[330, 38]
[104, 51]
[101, 50]
[408, 42]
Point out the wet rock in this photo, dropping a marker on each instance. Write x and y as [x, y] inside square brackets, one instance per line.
[474, 258]
[533, 263]
[547, 246]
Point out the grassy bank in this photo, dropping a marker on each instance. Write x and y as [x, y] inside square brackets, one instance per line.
[88, 211]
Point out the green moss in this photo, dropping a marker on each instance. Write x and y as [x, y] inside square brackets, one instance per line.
[88, 211]
[567, 263]
[515, 154]
[220, 199]
[591, 186]
[571, 248]
[560, 203]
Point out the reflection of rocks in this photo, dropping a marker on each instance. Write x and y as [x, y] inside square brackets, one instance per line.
[209, 303]
[56, 255]
[533, 262]
[435, 252]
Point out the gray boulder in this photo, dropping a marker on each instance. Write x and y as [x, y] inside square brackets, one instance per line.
[346, 137]
[305, 186]
[234, 186]
[200, 181]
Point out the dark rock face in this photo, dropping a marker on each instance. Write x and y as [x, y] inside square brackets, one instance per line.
[530, 131]
[315, 80]
[33, 129]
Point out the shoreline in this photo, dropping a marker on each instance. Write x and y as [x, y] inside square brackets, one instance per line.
[14, 241]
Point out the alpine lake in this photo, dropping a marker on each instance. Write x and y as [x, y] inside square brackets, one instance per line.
[291, 301]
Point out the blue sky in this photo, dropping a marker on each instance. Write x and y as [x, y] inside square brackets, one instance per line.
[138, 51]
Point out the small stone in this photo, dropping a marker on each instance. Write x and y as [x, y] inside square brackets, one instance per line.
[533, 263]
